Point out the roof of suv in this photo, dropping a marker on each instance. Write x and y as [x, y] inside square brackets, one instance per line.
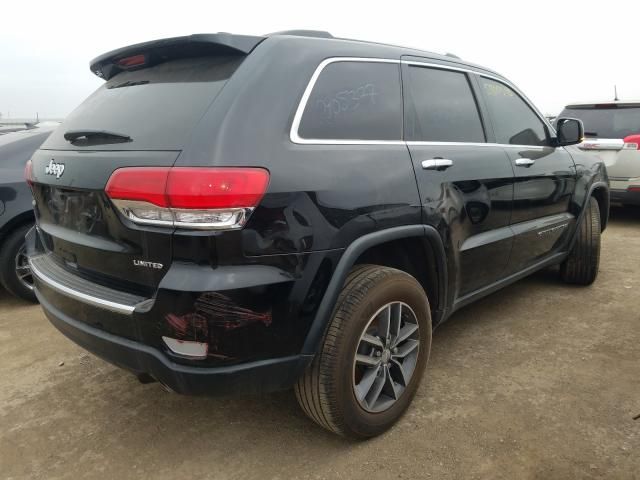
[106, 65]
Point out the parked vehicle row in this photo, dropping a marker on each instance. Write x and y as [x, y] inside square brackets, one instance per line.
[4, 128]
[236, 213]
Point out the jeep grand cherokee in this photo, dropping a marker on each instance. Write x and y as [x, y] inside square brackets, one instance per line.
[232, 213]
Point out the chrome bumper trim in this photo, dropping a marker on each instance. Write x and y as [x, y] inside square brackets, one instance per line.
[82, 297]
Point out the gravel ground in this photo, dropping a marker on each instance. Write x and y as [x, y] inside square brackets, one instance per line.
[540, 380]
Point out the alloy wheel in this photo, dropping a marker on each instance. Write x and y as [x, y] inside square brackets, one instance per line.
[386, 357]
[23, 270]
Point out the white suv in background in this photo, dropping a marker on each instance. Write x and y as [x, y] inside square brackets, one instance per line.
[612, 131]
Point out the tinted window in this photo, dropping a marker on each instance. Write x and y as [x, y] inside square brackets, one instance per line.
[158, 107]
[440, 106]
[606, 121]
[513, 120]
[354, 101]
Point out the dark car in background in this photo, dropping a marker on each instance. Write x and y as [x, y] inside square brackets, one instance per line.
[16, 208]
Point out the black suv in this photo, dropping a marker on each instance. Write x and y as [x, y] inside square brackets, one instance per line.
[233, 213]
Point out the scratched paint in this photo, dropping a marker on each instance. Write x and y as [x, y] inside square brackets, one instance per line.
[214, 311]
[221, 311]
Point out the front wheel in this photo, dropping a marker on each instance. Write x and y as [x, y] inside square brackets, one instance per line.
[581, 266]
[373, 355]
[15, 273]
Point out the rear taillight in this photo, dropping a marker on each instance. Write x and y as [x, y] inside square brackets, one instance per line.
[188, 197]
[28, 172]
[632, 142]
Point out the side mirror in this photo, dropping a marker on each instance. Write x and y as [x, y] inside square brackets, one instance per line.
[570, 131]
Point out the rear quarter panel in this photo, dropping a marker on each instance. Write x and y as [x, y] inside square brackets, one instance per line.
[626, 165]
[320, 197]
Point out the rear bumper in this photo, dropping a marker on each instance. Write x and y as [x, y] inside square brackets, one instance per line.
[625, 197]
[252, 377]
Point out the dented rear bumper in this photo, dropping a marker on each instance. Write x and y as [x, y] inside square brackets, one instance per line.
[250, 377]
[249, 320]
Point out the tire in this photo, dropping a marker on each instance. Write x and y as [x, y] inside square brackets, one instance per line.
[581, 266]
[327, 390]
[12, 247]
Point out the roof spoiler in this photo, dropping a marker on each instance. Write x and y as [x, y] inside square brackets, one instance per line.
[107, 65]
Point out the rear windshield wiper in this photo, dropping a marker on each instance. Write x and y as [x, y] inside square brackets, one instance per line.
[96, 136]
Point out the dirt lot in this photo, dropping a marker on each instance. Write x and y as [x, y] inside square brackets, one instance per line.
[541, 380]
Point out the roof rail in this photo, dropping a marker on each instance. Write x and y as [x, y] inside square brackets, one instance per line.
[302, 33]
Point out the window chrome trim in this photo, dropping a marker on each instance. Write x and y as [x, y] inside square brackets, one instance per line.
[503, 81]
[82, 297]
[417, 143]
[442, 66]
[296, 138]
[295, 125]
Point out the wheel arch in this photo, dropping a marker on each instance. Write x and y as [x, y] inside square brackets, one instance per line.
[600, 191]
[388, 248]
[17, 221]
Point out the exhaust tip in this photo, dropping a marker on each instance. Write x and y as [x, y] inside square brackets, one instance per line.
[145, 378]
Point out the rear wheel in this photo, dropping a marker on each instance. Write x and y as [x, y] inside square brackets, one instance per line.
[581, 266]
[373, 355]
[15, 274]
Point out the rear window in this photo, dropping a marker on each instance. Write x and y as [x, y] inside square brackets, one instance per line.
[606, 121]
[158, 107]
[354, 101]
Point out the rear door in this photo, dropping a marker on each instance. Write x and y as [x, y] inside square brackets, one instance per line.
[143, 117]
[544, 175]
[464, 181]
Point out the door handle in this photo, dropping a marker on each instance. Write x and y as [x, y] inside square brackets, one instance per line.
[524, 162]
[437, 164]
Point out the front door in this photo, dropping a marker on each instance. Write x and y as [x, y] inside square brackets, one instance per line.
[544, 176]
[465, 184]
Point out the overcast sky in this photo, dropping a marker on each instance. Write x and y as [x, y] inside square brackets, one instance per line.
[556, 52]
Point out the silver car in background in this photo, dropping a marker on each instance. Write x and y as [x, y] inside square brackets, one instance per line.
[612, 131]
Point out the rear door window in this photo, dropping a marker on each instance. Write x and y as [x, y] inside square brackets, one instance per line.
[440, 107]
[514, 122]
[354, 101]
[158, 107]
